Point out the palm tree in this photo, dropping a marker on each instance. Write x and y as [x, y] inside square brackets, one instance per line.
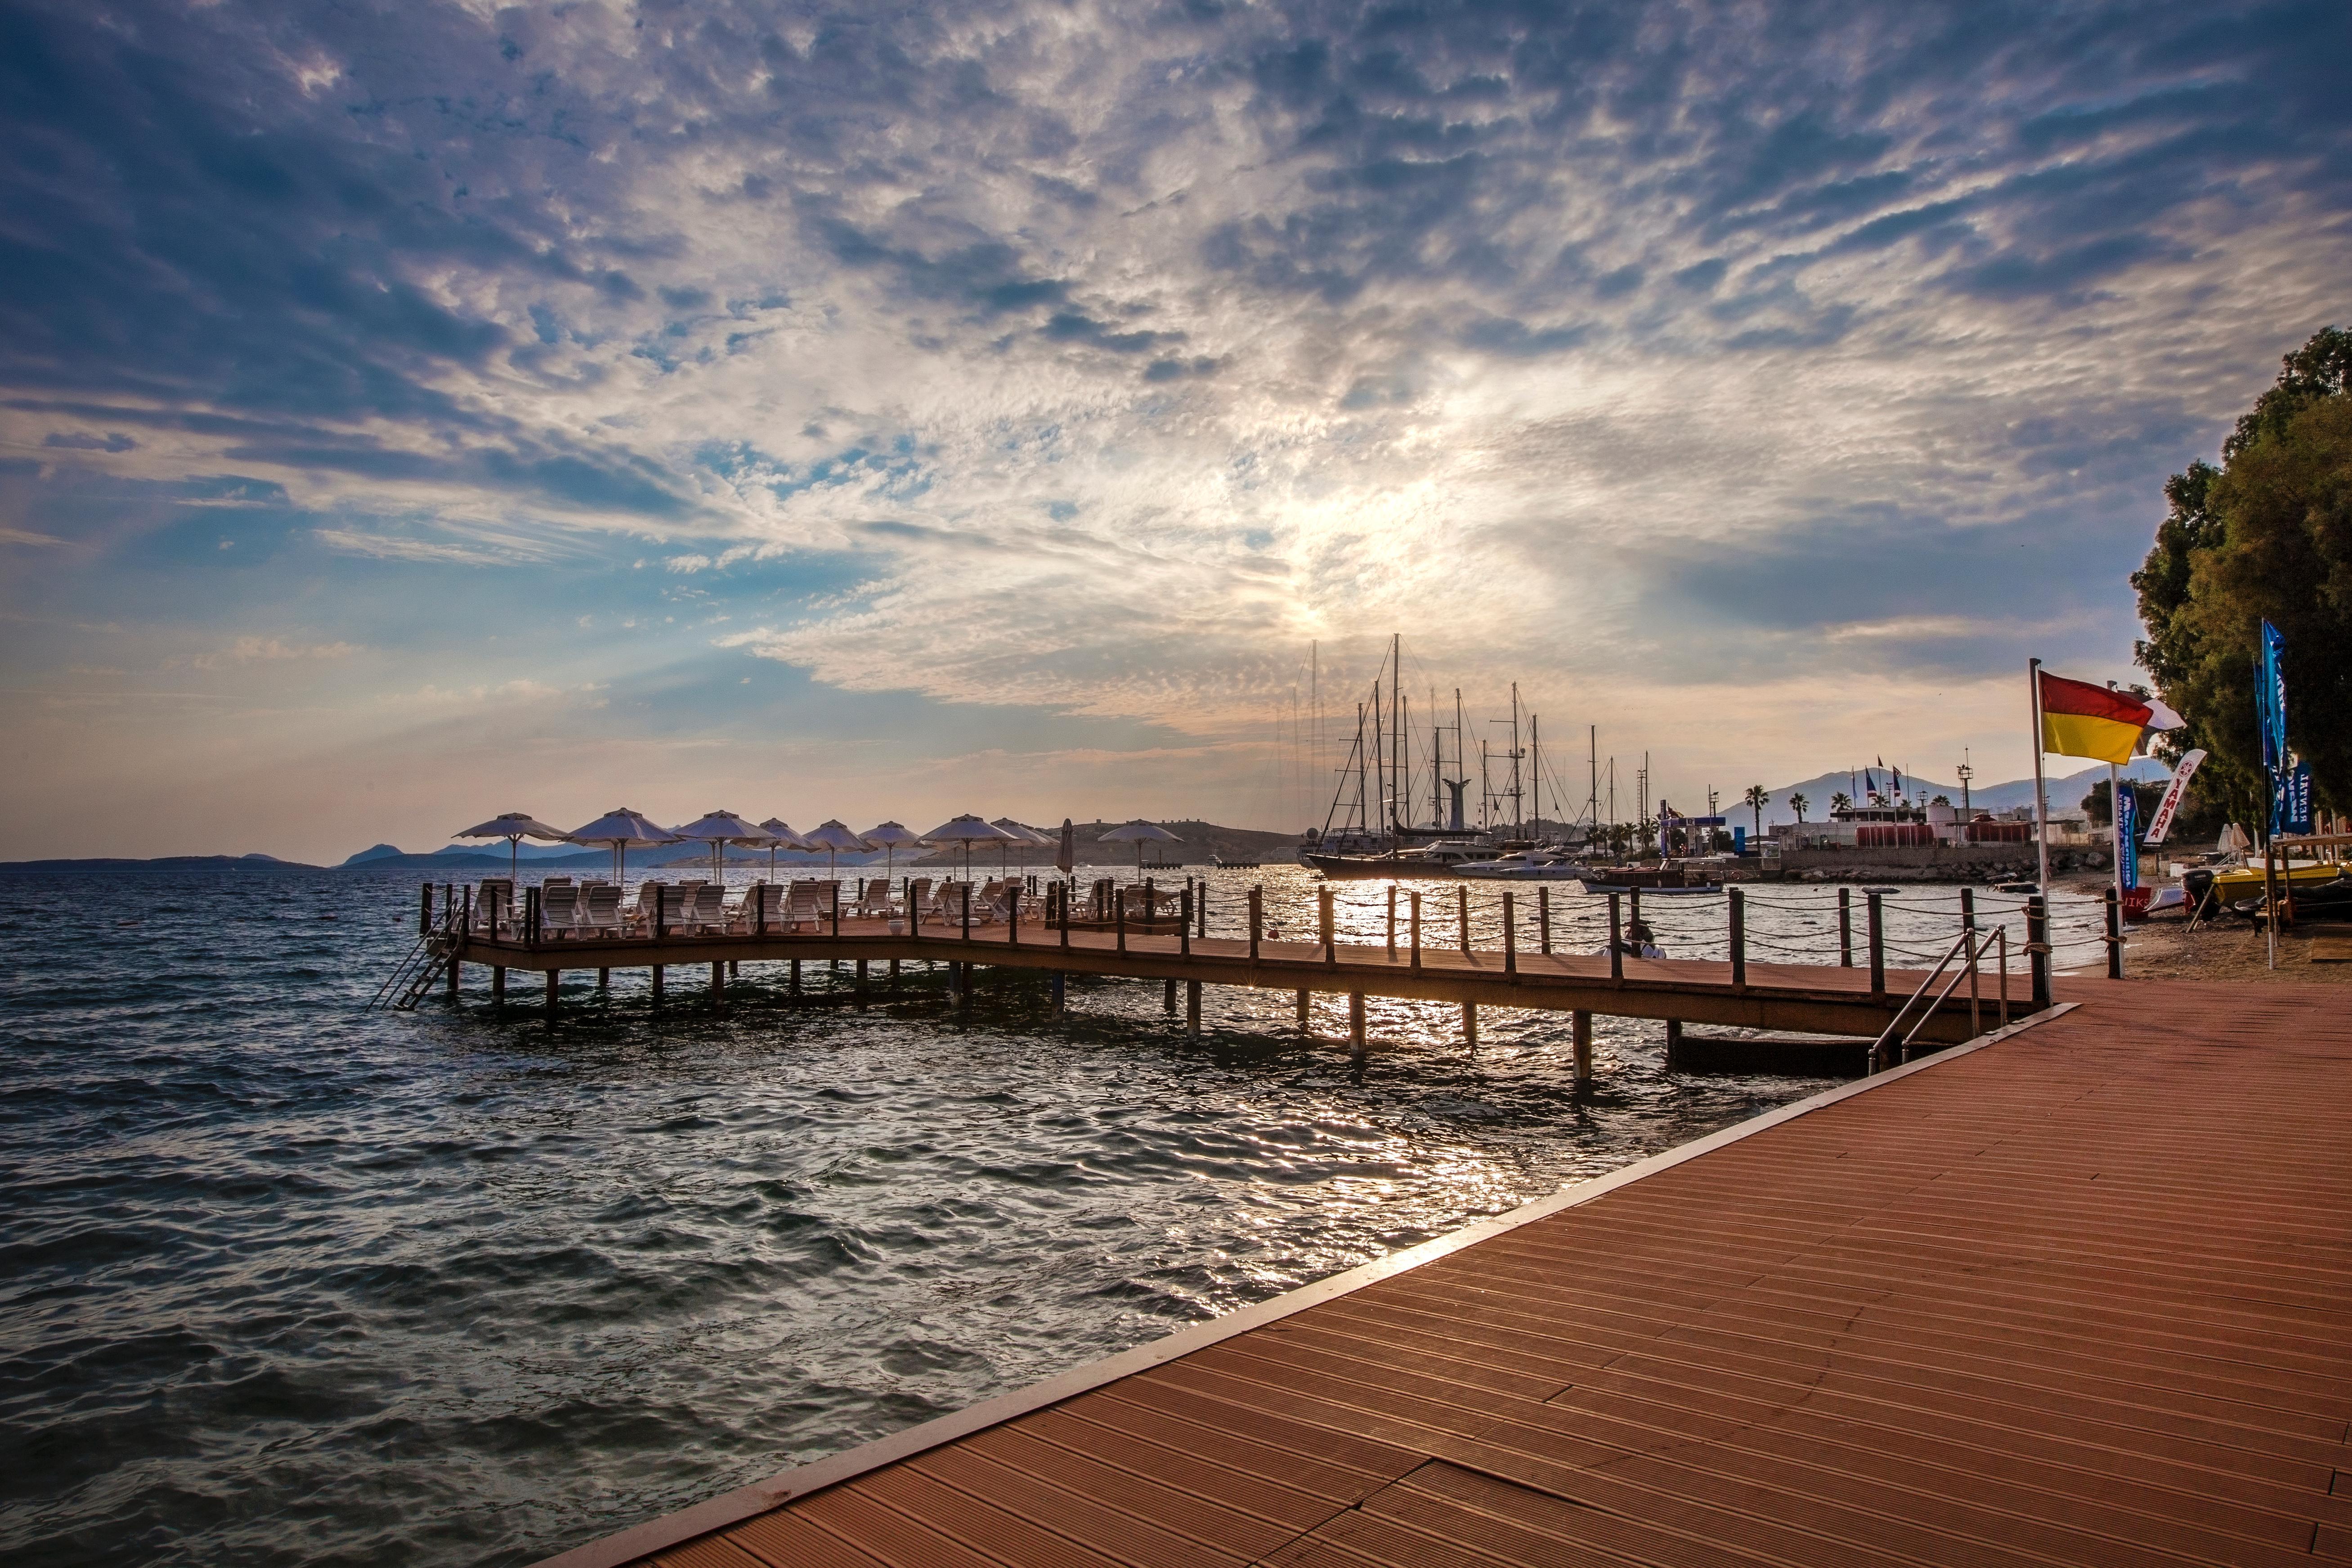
[1839, 801]
[1758, 797]
[1798, 804]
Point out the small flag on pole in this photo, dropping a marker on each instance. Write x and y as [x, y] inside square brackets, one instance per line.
[2080, 720]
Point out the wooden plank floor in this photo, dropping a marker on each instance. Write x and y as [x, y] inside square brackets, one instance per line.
[2077, 1296]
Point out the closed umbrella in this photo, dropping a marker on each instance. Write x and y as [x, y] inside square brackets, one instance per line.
[833, 837]
[966, 830]
[1140, 832]
[1065, 856]
[890, 837]
[780, 837]
[623, 830]
[722, 827]
[514, 827]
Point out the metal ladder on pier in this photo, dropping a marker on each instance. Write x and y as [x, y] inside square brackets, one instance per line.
[419, 969]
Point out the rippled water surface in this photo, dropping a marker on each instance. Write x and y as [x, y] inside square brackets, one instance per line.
[286, 1281]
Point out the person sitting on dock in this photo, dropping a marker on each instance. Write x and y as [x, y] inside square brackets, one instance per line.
[1639, 941]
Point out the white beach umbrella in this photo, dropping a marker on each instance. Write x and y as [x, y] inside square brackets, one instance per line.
[890, 837]
[722, 827]
[514, 827]
[623, 830]
[1140, 832]
[781, 836]
[833, 837]
[1014, 833]
[966, 830]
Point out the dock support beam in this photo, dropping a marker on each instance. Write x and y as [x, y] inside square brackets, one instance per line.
[1392, 922]
[1543, 920]
[1673, 1044]
[1462, 903]
[1356, 1026]
[1877, 950]
[861, 985]
[2037, 948]
[603, 981]
[1580, 1034]
[657, 985]
[498, 989]
[1192, 1007]
[1845, 927]
[554, 981]
[1168, 995]
[1470, 1025]
[1510, 935]
[1303, 1004]
[1061, 991]
[453, 979]
[717, 986]
[793, 984]
[1739, 940]
[1416, 930]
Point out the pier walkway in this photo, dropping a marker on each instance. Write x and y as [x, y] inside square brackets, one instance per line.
[1816, 998]
[2075, 1292]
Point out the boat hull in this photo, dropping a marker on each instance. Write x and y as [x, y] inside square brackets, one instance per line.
[1373, 868]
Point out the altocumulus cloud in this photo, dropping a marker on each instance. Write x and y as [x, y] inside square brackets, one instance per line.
[1121, 348]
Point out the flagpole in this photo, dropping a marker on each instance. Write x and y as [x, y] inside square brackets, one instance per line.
[2041, 792]
[2115, 827]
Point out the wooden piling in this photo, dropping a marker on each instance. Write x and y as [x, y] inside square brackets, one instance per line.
[603, 981]
[1673, 1044]
[1470, 1025]
[1878, 934]
[1581, 1037]
[498, 989]
[1845, 927]
[1616, 942]
[1330, 936]
[1184, 923]
[1739, 940]
[657, 985]
[862, 994]
[1257, 920]
[1416, 930]
[1168, 995]
[1392, 922]
[424, 914]
[555, 980]
[1510, 935]
[792, 982]
[2037, 948]
[717, 986]
[2115, 932]
[1356, 1026]
[1462, 902]
[1192, 1006]
[1543, 920]
[1303, 1004]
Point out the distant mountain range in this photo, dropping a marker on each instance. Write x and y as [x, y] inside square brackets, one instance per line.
[2066, 792]
[169, 863]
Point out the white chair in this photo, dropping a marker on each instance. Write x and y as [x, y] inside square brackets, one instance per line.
[600, 909]
[558, 909]
[493, 905]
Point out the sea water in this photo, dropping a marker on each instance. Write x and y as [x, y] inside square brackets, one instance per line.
[284, 1281]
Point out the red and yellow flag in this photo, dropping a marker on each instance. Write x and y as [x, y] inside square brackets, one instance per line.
[2080, 720]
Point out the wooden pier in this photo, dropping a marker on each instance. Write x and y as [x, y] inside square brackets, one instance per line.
[1806, 998]
[2080, 1292]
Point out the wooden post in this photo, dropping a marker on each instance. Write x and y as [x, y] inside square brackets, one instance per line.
[1632, 908]
[1462, 902]
[2037, 948]
[1673, 1044]
[1976, 953]
[1470, 1025]
[967, 912]
[1356, 1026]
[1616, 941]
[1302, 1012]
[1416, 929]
[1012, 915]
[1330, 937]
[1200, 905]
[793, 986]
[603, 981]
[554, 979]
[1510, 935]
[861, 985]
[1168, 995]
[1256, 919]
[1192, 1006]
[718, 985]
[1184, 925]
[451, 980]
[894, 974]
[1877, 949]
[424, 914]
[1392, 922]
[497, 988]
[1739, 940]
[1060, 991]
[1062, 909]
[1543, 920]
[1846, 927]
[657, 985]
[1580, 1034]
[1118, 921]
[2114, 936]
[530, 917]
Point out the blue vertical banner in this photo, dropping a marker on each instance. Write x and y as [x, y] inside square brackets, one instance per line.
[2291, 800]
[2126, 816]
[2270, 711]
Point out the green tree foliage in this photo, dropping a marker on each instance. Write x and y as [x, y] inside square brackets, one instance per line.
[2149, 797]
[2267, 535]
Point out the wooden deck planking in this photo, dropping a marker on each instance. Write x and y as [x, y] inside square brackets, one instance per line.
[2079, 1296]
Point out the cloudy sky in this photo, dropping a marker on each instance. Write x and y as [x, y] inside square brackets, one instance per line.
[410, 412]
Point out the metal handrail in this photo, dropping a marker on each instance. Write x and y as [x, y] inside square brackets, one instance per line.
[1878, 1047]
